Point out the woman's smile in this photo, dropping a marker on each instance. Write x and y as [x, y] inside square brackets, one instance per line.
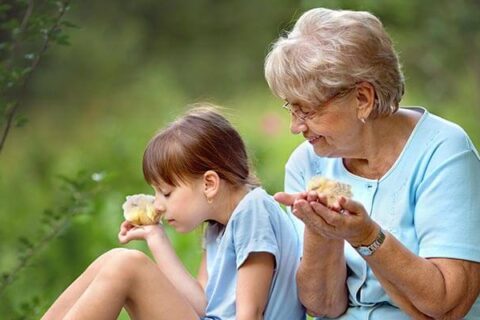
[314, 139]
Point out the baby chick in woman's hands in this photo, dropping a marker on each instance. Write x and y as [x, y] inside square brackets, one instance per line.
[139, 210]
[332, 189]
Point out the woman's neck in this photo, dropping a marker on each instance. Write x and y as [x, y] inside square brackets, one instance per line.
[382, 143]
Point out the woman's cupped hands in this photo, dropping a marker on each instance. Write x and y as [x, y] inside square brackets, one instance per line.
[346, 219]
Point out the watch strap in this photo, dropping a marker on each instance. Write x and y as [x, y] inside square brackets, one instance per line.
[370, 249]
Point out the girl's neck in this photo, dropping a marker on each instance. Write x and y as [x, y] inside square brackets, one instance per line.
[227, 200]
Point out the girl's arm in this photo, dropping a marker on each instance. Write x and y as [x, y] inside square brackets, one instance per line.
[168, 262]
[202, 275]
[253, 285]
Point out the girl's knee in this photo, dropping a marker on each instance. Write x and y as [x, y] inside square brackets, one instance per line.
[114, 252]
[124, 263]
[132, 256]
[118, 254]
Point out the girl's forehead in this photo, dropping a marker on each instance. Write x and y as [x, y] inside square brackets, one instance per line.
[162, 185]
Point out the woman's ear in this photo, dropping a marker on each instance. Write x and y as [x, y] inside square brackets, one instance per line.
[211, 184]
[365, 100]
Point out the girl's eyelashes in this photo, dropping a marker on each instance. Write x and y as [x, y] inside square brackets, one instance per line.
[165, 193]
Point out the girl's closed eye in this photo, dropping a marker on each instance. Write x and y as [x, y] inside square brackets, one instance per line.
[167, 192]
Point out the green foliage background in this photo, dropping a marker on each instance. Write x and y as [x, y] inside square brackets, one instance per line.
[132, 66]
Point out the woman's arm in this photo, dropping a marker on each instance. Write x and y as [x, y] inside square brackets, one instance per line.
[253, 285]
[168, 262]
[437, 288]
[321, 277]
[322, 274]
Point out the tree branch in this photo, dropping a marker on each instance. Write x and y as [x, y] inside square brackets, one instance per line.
[10, 113]
[23, 27]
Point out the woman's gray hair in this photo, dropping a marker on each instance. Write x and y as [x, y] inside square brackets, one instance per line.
[332, 50]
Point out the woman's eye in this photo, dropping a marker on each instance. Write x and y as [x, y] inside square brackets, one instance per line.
[166, 195]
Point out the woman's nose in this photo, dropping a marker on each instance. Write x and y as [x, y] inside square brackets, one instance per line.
[297, 126]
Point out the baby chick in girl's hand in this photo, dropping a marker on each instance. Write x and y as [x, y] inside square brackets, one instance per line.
[332, 189]
[139, 210]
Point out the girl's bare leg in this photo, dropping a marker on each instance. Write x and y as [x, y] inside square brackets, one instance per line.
[70, 296]
[129, 278]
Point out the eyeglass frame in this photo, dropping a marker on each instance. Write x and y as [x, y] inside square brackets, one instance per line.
[304, 116]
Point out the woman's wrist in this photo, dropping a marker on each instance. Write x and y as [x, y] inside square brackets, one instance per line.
[317, 240]
[366, 238]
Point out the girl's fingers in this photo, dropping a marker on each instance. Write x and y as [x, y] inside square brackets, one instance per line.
[122, 238]
[125, 226]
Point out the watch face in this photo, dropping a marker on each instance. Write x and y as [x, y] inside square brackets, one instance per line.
[364, 251]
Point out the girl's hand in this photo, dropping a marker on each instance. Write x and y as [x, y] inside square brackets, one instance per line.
[129, 232]
[347, 220]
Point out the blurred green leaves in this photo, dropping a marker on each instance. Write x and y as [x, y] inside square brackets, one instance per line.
[132, 67]
[76, 197]
[25, 34]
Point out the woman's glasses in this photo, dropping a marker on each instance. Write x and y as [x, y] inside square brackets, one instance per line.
[304, 116]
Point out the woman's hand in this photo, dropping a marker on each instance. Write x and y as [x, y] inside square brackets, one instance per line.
[288, 199]
[129, 232]
[347, 220]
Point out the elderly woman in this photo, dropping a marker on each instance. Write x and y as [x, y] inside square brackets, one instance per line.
[406, 245]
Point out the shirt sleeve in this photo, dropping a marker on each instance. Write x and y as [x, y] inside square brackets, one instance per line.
[296, 170]
[253, 231]
[447, 211]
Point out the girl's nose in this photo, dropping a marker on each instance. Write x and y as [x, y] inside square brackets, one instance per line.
[159, 205]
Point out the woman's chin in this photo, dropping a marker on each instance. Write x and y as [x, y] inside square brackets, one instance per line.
[323, 149]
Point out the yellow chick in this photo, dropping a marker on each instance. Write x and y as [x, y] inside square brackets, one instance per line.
[331, 188]
[139, 210]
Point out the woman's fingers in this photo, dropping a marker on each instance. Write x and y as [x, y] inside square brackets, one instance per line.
[284, 198]
[331, 217]
[353, 207]
[287, 199]
[305, 212]
[346, 220]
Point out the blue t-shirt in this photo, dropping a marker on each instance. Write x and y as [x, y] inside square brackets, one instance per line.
[258, 224]
[429, 200]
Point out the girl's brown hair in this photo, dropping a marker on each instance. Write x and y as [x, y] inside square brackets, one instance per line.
[199, 141]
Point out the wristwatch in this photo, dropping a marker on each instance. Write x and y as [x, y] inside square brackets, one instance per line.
[370, 249]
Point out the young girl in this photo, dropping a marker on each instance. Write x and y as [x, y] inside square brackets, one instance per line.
[199, 170]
